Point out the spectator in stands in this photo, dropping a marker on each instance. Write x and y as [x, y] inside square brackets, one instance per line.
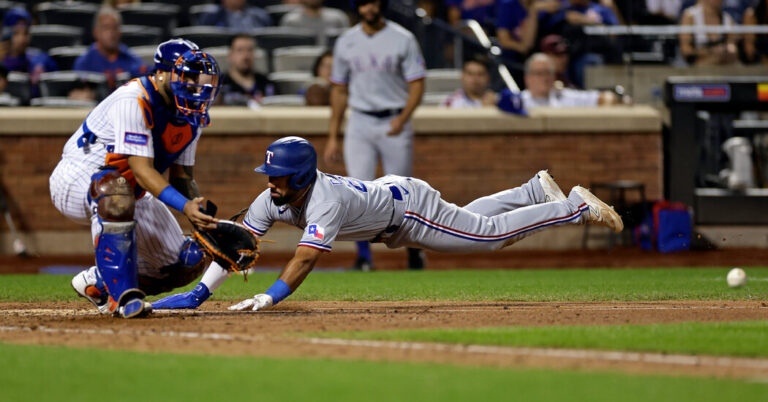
[482, 11]
[237, 16]
[314, 17]
[107, 55]
[118, 3]
[556, 48]
[15, 53]
[319, 92]
[541, 90]
[708, 49]
[517, 24]
[241, 85]
[756, 46]
[475, 90]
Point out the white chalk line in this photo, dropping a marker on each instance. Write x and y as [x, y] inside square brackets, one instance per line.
[580, 354]
[575, 354]
[112, 332]
[37, 312]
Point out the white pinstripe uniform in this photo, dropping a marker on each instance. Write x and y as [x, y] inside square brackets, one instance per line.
[402, 211]
[120, 128]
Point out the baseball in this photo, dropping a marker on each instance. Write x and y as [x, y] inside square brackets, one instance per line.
[736, 278]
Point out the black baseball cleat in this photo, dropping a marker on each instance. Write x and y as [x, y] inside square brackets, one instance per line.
[363, 264]
[417, 259]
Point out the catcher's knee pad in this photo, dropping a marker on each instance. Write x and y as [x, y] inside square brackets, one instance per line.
[111, 195]
[190, 265]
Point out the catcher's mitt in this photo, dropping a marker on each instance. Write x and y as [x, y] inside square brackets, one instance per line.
[231, 245]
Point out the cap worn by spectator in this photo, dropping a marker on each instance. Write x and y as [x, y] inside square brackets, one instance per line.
[11, 19]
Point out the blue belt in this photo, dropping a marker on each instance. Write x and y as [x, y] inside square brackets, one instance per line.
[397, 195]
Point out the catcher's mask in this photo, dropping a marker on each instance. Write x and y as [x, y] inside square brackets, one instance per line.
[195, 82]
[291, 156]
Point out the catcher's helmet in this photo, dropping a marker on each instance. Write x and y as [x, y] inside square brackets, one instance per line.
[195, 82]
[291, 156]
[169, 51]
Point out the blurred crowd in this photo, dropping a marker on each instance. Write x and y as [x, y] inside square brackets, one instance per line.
[257, 43]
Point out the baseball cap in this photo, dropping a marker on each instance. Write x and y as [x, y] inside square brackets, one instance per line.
[13, 17]
[554, 44]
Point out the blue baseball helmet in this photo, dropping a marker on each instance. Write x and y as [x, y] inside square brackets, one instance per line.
[169, 51]
[195, 82]
[291, 156]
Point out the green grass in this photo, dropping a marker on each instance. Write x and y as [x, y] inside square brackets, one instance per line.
[45, 373]
[743, 338]
[460, 285]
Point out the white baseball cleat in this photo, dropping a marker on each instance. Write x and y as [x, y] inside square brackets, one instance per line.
[85, 283]
[552, 191]
[600, 213]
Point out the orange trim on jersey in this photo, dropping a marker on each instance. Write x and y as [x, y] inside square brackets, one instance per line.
[146, 107]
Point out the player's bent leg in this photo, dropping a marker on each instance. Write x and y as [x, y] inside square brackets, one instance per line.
[115, 238]
[191, 263]
[530, 193]
[448, 228]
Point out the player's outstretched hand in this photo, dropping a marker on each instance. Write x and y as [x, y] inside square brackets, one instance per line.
[258, 302]
[331, 154]
[199, 219]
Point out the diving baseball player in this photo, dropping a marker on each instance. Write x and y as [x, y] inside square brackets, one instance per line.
[378, 70]
[398, 211]
[110, 176]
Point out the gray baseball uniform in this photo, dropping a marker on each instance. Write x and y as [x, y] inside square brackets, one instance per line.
[377, 69]
[402, 211]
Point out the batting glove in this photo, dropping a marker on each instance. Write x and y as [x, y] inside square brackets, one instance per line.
[192, 299]
[258, 302]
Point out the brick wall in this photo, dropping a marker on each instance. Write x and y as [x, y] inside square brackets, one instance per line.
[462, 167]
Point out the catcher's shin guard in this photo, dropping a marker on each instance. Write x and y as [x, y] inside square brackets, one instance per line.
[114, 204]
[116, 261]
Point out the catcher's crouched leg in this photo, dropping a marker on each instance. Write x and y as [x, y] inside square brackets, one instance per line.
[114, 204]
[190, 265]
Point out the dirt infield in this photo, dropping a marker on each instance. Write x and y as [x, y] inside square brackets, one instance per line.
[279, 332]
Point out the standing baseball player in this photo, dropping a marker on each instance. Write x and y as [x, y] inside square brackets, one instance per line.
[111, 177]
[379, 71]
[398, 211]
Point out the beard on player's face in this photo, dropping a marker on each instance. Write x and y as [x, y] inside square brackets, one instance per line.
[280, 192]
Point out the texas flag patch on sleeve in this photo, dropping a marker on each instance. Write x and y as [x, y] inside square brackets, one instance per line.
[316, 231]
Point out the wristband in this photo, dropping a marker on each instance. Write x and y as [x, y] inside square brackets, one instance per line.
[279, 291]
[173, 197]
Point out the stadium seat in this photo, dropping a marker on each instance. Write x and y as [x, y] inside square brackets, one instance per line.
[59, 83]
[141, 35]
[163, 16]
[203, 36]
[271, 38]
[62, 101]
[146, 53]
[296, 58]
[277, 11]
[290, 82]
[65, 56]
[283, 100]
[19, 86]
[442, 80]
[67, 13]
[7, 100]
[45, 37]
[435, 98]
